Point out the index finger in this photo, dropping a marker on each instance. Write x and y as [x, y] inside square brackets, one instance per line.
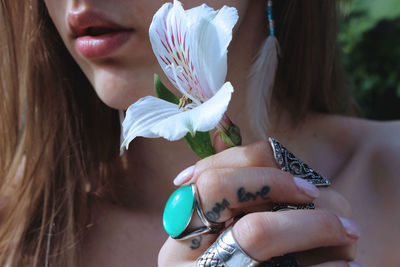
[259, 154]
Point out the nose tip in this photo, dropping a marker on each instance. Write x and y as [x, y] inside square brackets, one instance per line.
[74, 18]
[77, 7]
[82, 5]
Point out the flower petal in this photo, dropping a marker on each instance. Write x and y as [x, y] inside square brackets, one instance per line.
[197, 41]
[202, 118]
[213, 39]
[143, 115]
[169, 37]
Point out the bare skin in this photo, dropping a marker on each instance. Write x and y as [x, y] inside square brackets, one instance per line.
[353, 169]
[357, 155]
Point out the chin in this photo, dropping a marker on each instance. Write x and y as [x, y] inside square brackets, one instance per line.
[116, 99]
[121, 90]
[118, 96]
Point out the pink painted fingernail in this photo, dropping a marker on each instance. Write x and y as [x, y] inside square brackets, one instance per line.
[352, 229]
[355, 264]
[306, 187]
[184, 176]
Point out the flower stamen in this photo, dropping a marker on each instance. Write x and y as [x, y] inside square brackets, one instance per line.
[174, 69]
[184, 102]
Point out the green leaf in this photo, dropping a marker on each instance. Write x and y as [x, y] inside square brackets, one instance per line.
[200, 143]
[163, 92]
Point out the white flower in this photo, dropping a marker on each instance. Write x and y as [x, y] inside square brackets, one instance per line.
[191, 47]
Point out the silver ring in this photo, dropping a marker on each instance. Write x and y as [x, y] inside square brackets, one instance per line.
[183, 216]
[288, 206]
[290, 163]
[225, 252]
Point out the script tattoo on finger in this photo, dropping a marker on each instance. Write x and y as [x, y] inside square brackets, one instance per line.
[244, 196]
[196, 242]
[215, 213]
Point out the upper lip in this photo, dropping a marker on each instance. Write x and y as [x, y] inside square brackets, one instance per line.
[91, 23]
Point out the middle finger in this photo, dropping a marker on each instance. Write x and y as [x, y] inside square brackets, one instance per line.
[225, 193]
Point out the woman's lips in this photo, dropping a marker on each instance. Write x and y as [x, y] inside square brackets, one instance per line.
[95, 34]
[96, 46]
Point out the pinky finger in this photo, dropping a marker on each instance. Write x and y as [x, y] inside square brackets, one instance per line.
[339, 264]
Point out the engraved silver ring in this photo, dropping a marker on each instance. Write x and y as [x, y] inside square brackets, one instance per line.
[226, 252]
[288, 162]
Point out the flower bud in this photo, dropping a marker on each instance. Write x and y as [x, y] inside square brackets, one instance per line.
[229, 132]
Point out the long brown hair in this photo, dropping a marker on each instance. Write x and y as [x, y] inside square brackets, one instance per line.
[310, 76]
[58, 141]
[54, 130]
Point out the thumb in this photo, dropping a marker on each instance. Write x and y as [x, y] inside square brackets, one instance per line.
[218, 144]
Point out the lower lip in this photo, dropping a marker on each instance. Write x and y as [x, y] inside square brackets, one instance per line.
[102, 45]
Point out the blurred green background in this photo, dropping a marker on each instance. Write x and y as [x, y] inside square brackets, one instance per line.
[370, 42]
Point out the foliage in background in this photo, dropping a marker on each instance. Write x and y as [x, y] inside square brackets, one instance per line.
[370, 42]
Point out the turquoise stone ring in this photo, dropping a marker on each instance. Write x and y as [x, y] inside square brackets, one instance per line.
[183, 217]
[178, 211]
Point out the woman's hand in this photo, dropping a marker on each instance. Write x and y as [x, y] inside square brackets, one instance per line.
[246, 181]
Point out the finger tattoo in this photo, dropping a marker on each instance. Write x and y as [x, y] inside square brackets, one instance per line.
[244, 196]
[215, 213]
[196, 242]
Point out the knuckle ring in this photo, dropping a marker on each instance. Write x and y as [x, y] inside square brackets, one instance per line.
[290, 163]
[183, 216]
[225, 252]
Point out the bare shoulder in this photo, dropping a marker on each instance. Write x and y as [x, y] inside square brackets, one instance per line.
[371, 183]
[384, 131]
[378, 161]
[382, 142]
[380, 193]
[373, 146]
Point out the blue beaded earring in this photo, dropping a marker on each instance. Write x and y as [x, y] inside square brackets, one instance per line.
[262, 78]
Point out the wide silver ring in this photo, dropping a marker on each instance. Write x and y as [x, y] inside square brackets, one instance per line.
[225, 252]
[190, 216]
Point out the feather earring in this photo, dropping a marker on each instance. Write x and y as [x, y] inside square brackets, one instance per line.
[262, 79]
[121, 114]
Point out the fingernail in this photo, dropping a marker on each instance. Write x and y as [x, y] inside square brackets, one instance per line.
[184, 176]
[351, 227]
[306, 187]
[355, 264]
